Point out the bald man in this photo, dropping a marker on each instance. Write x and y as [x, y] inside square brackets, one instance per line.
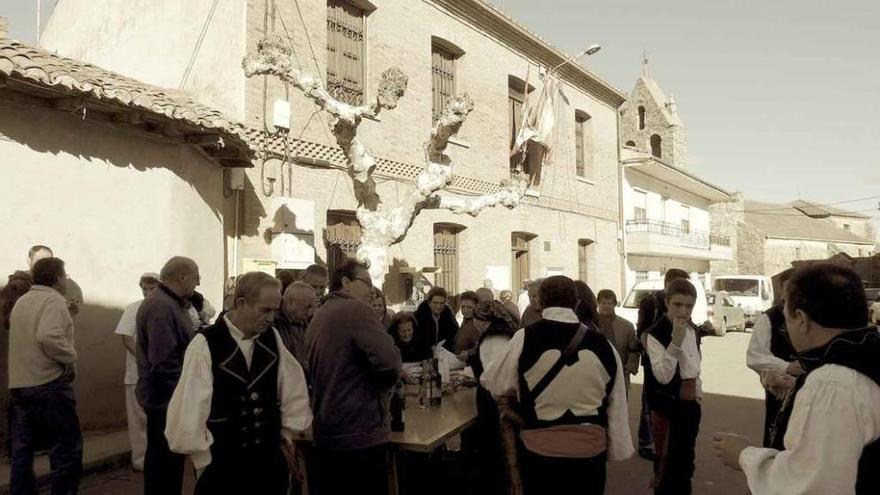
[297, 308]
[164, 330]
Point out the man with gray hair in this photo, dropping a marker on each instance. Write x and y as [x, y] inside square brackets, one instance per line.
[127, 329]
[240, 397]
[164, 330]
[297, 307]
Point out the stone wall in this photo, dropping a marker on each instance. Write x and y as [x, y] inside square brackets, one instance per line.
[673, 136]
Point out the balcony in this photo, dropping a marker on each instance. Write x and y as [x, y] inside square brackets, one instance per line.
[657, 238]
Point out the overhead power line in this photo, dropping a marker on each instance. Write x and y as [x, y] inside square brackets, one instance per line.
[816, 205]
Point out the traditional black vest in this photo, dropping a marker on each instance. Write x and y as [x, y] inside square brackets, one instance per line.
[662, 397]
[546, 335]
[858, 350]
[245, 414]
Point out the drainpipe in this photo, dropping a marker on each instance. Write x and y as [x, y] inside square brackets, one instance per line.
[621, 245]
[235, 234]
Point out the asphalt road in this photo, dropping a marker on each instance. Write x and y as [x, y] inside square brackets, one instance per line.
[733, 401]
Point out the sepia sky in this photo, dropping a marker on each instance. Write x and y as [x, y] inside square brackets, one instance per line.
[780, 98]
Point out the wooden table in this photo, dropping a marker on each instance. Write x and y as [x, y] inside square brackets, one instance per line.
[427, 429]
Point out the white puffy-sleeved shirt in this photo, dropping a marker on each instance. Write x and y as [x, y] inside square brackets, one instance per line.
[759, 357]
[835, 415]
[664, 360]
[187, 428]
[501, 379]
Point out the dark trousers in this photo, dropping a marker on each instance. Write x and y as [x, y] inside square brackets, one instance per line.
[546, 475]
[646, 440]
[771, 410]
[163, 469]
[675, 435]
[257, 472]
[50, 411]
[337, 472]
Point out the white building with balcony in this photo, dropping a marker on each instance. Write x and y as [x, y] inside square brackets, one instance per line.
[665, 206]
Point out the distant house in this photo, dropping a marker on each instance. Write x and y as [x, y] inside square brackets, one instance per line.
[115, 176]
[768, 237]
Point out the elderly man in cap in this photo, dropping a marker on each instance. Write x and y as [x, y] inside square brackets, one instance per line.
[127, 329]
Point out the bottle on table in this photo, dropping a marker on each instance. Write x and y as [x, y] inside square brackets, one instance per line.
[437, 382]
[398, 407]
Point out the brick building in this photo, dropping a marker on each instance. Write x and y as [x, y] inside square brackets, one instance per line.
[296, 207]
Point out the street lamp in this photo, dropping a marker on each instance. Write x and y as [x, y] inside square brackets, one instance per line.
[589, 51]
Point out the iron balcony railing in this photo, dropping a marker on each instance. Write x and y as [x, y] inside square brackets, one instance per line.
[691, 238]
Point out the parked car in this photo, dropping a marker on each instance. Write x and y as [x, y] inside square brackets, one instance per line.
[724, 313]
[754, 293]
[629, 308]
[871, 294]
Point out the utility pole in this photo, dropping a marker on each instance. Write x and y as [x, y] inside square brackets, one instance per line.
[39, 20]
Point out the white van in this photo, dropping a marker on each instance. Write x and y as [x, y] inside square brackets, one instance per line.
[753, 293]
[629, 309]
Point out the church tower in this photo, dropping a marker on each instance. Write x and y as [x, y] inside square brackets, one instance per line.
[649, 122]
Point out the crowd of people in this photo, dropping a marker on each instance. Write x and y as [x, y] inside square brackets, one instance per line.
[235, 391]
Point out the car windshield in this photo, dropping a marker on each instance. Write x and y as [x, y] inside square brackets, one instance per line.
[737, 286]
[636, 297]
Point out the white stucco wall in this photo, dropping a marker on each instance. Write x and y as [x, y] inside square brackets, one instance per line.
[112, 205]
[154, 41]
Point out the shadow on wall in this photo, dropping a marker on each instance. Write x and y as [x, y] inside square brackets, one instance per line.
[100, 368]
[117, 152]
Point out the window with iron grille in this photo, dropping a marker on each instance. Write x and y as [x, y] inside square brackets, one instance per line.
[345, 51]
[446, 256]
[343, 238]
[442, 78]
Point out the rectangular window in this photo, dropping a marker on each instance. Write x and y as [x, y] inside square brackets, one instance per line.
[685, 220]
[583, 144]
[640, 206]
[641, 276]
[442, 79]
[515, 100]
[446, 257]
[343, 237]
[345, 51]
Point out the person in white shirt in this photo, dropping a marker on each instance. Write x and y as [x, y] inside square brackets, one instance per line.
[832, 445]
[127, 329]
[240, 397]
[674, 390]
[875, 311]
[574, 408]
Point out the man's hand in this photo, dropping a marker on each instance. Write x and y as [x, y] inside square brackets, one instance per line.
[728, 447]
[679, 330]
[777, 382]
[795, 369]
[69, 373]
[463, 356]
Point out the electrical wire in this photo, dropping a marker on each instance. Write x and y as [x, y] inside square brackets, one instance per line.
[192, 58]
[817, 205]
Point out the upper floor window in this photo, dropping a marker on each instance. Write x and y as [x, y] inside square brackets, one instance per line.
[656, 146]
[640, 206]
[443, 74]
[583, 144]
[345, 51]
[631, 143]
[685, 219]
[517, 92]
[641, 118]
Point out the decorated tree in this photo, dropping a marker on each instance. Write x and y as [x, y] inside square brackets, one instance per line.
[385, 223]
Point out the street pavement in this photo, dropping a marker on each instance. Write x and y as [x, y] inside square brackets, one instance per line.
[733, 401]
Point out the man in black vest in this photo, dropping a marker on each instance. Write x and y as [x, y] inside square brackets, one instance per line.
[240, 396]
[569, 381]
[833, 440]
[651, 309]
[673, 390]
[772, 357]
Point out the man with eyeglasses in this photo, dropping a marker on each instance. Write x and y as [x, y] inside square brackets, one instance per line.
[353, 364]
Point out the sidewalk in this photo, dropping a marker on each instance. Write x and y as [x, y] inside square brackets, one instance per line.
[102, 450]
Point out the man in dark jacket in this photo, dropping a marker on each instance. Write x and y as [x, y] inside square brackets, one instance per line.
[164, 330]
[353, 364]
